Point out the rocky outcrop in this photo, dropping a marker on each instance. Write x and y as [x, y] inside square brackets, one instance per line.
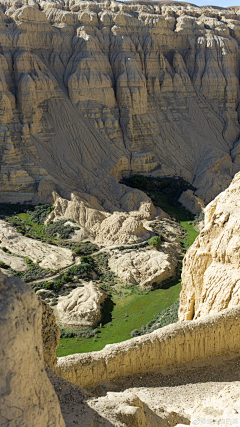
[47, 256]
[211, 273]
[173, 345]
[128, 408]
[50, 335]
[27, 397]
[17, 263]
[221, 406]
[119, 87]
[191, 202]
[81, 309]
[125, 226]
[145, 266]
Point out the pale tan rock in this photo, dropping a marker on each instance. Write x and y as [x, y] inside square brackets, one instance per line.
[223, 406]
[50, 335]
[211, 273]
[29, 13]
[81, 309]
[15, 262]
[102, 227]
[177, 344]
[145, 266]
[50, 256]
[110, 85]
[191, 202]
[27, 397]
[128, 408]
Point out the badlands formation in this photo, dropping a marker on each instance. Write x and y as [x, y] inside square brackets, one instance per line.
[90, 93]
[211, 273]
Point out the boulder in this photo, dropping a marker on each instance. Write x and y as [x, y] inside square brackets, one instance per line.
[81, 309]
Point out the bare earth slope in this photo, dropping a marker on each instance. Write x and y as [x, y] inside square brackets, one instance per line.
[91, 91]
[211, 273]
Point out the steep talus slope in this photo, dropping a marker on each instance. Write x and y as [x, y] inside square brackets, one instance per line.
[211, 273]
[92, 91]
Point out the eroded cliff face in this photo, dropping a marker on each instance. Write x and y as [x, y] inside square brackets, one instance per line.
[211, 269]
[91, 91]
[27, 396]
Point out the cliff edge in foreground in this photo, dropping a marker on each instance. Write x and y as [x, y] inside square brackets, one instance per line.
[27, 397]
[211, 267]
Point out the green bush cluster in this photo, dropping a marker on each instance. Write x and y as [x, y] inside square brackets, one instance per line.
[22, 227]
[86, 333]
[40, 213]
[166, 317]
[155, 241]
[106, 277]
[5, 250]
[83, 248]
[58, 229]
[3, 265]
[33, 272]
[137, 246]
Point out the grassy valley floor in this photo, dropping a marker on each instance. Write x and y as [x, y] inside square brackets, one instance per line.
[134, 308]
[129, 310]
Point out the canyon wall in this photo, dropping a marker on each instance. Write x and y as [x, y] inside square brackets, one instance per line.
[90, 92]
[172, 345]
[27, 396]
[211, 267]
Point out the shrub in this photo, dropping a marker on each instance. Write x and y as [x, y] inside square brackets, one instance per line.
[34, 272]
[155, 241]
[5, 249]
[135, 333]
[40, 213]
[78, 251]
[48, 285]
[58, 229]
[66, 278]
[3, 265]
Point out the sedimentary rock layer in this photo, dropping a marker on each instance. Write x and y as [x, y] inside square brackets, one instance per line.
[91, 91]
[27, 397]
[174, 344]
[211, 269]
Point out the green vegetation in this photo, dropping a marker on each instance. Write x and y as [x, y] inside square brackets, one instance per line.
[40, 213]
[29, 221]
[166, 317]
[106, 278]
[59, 230]
[131, 308]
[3, 265]
[127, 310]
[34, 272]
[155, 241]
